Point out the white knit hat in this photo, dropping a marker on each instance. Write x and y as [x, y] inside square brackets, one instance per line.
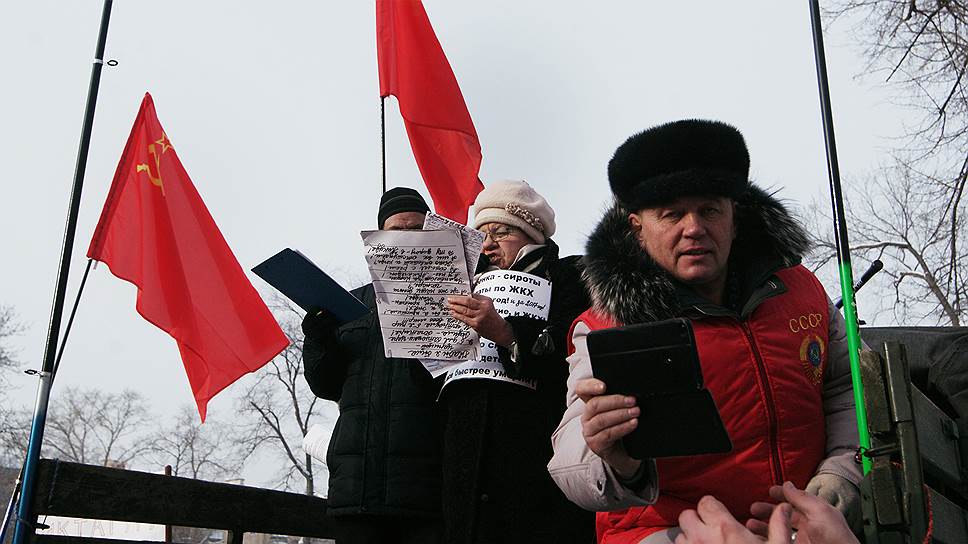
[515, 203]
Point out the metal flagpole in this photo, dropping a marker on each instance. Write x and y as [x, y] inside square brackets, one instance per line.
[11, 505]
[60, 353]
[70, 321]
[24, 523]
[383, 141]
[840, 225]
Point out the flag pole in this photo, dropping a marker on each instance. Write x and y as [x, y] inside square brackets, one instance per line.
[11, 505]
[840, 226]
[70, 321]
[383, 140]
[60, 353]
[24, 522]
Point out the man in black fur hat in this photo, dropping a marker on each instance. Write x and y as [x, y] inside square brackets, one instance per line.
[690, 236]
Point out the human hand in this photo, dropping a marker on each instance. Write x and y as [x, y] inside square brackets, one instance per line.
[319, 324]
[841, 493]
[606, 420]
[816, 521]
[711, 523]
[478, 312]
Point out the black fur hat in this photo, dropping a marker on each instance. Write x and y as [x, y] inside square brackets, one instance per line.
[682, 158]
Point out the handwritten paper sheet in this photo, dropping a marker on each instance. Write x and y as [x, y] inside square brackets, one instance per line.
[473, 239]
[514, 294]
[413, 273]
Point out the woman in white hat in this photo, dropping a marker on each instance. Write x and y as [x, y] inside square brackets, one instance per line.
[497, 433]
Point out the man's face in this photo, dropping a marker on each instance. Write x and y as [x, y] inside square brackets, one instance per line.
[690, 238]
[502, 243]
[405, 221]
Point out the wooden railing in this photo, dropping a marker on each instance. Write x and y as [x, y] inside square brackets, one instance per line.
[91, 492]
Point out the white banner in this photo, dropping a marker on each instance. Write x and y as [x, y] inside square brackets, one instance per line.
[515, 294]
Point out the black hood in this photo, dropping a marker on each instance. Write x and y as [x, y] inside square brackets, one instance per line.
[626, 284]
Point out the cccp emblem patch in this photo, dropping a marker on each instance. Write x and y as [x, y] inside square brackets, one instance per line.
[812, 351]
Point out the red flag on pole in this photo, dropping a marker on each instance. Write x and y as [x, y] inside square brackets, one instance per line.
[414, 69]
[156, 233]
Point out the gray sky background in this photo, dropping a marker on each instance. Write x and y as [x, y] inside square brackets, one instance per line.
[274, 111]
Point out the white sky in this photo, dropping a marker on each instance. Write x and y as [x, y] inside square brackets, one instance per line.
[274, 111]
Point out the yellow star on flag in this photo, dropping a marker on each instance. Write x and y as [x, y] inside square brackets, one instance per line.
[164, 142]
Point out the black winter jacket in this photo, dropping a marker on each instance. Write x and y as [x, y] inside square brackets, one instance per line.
[497, 436]
[384, 456]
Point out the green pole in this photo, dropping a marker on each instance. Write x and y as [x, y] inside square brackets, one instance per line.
[840, 226]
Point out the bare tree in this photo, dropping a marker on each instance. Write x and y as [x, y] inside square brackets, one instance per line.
[195, 450]
[12, 437]
[14, 429]
[894, 216]
[206, 451]
[94, 427]
[87, 426]
[279, 408]
[911, 213]
[9, 327]
[922, 47]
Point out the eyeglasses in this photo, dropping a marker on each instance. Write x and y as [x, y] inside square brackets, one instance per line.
[499, 233]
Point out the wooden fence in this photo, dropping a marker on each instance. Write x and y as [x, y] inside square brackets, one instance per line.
[91, 492]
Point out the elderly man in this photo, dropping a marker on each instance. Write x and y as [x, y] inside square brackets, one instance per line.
[691, 237]
[496, 439]
[384, 456]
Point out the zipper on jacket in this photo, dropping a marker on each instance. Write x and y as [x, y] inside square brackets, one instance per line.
[386, 432]
[770, 406]
[369, 408]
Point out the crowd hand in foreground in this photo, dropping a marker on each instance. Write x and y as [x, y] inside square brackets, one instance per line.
[711, 523]
[815, 521]
[841, 493]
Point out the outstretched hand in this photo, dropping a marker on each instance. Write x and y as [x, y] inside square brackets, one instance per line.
[840, 493]
[711, 523]
[816, 521]
[606, 420]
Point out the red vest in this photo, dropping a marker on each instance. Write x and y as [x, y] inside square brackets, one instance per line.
[766, 376]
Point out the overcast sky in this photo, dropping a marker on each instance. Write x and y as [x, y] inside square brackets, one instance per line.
[273, 108]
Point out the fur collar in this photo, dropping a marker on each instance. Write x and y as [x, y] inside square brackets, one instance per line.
[626, 284]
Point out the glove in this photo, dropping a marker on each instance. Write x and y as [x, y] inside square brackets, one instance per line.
[841, 493]
[321, 325]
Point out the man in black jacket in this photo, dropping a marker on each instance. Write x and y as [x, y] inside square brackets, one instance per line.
[384, 456]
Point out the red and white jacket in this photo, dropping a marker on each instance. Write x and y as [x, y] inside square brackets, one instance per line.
[777, 370]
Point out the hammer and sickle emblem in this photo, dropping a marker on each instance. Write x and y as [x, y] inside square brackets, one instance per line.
[155, 177]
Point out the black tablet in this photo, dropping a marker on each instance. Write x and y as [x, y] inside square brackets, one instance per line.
[658, 364]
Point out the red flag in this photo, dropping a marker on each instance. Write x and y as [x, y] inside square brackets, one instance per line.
[414, 69]
[156, 233]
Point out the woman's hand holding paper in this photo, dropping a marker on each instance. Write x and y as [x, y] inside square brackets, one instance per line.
[478, 313]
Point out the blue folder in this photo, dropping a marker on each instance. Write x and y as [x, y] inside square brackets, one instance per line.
[313, 290]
